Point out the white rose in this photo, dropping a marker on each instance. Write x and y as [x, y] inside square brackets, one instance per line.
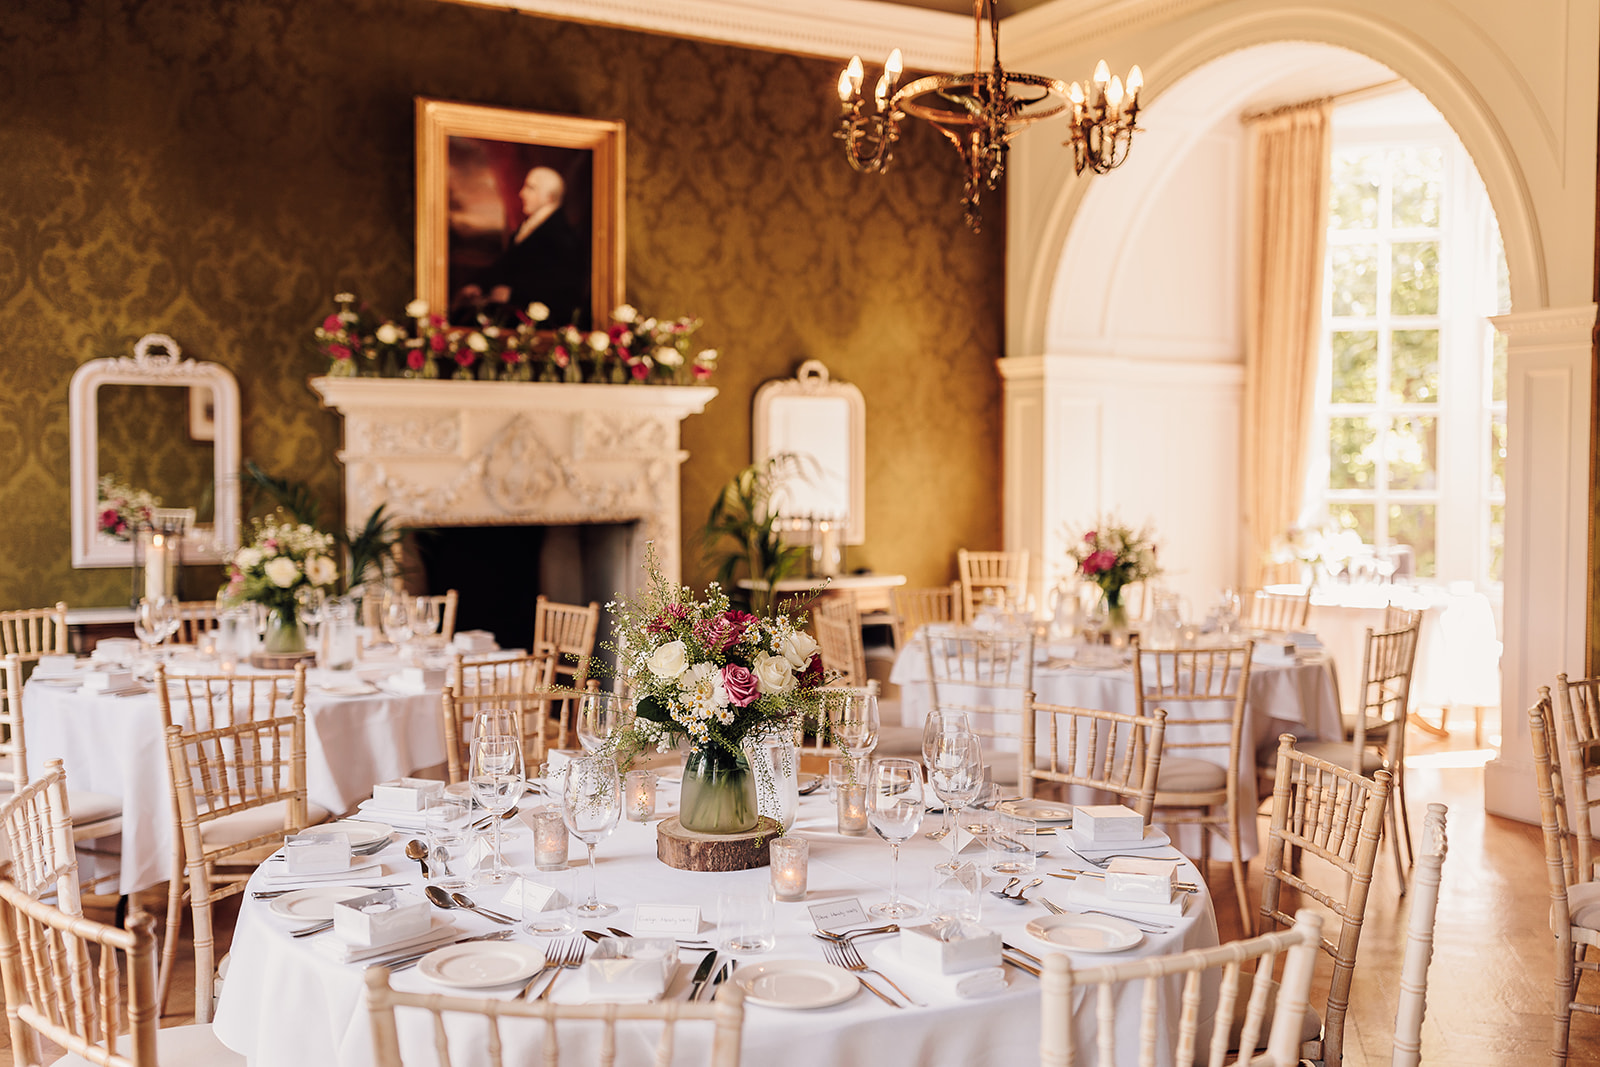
[774, 675]
[798, 648]
[706, 357]
[320, 570]
[669, 660]
[283, 572]
[344, 298]
[247, 559]
[388, 334]
[477, 342]
[538, 312]
[598, 341]
[417, 308]
[669, 357]
[625, 313]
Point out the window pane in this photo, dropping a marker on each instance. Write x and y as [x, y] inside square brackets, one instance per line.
[1497, 542]
[1497, 454]
[1355, 191]
[1414, 366]
[1351, 453]
[1414, 176]
[1358, 517]
[1415, 286]
[1412, 451]
[1412, 524]
[1497, 381]
[1355, 367]
[1355, 280]
[1502, 277]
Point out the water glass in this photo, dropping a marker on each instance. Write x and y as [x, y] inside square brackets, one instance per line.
[556, 916]
[745, 915]
[956, 894]
[787, 859]
[496, 782]
[1012, 840]
[448, 843]
[851, 720]
[600, 716]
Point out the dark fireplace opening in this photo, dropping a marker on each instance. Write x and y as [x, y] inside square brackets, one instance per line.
[499, 571]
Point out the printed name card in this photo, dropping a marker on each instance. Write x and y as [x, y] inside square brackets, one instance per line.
[966, 842]
[671, 919]
[530, 897]
[837, 914]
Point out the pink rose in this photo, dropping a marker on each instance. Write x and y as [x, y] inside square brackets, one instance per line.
[1098, 562]
[1091, 537]
[464, 357]
[415, 359]
[702, 373]
[740, 684]
[109, 518]
[811, 677]
[558, 355]
[338, 352]
[437, 342]
[640, 371]
[717, 635]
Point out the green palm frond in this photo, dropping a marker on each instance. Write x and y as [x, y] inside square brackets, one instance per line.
[295, 498]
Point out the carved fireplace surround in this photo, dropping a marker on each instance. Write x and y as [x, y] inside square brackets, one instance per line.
[469, 453]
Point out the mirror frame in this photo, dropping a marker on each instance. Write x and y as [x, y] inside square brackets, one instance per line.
[156, 360]
[813, 381]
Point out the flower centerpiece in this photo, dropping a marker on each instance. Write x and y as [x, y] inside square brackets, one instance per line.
[1113, 555]
[123, 509]
[281, 558]
[714, 678]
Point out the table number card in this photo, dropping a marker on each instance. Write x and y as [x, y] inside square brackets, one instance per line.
[671, 919]
[530, 897]
[837, 914]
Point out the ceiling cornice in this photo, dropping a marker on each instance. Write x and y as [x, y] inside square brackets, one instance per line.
[1065, 24]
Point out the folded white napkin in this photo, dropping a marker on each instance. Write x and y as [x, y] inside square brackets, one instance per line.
[276, 872]
[1090, 893]
[474, 641]
[401, 685]
[55, 666]
[966, 985]
[1079, 842]
[401, 819]
[343, 951]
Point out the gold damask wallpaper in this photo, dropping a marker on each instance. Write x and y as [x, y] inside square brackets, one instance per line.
[217, 171]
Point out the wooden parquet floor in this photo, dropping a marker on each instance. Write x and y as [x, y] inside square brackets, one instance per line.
[1490, 987]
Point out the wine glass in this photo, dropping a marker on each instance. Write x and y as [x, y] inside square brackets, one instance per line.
[310, 604]
[591, 803]
[894, 811]
[936, 726]
[496, 778]
[424, 616]
[600, 716]
[396, 619]
[955, 770]
[853, 718]
[168, 615]
[147, 623]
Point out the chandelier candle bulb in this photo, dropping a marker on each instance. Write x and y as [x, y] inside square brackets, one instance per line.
[788, 861]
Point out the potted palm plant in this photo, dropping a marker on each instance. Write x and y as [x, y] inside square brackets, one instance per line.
[741, 533]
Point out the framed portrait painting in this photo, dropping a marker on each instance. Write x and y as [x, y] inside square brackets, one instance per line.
[516, 208]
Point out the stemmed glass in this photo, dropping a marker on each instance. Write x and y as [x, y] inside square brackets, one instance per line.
[396, 619]
[496, 775]
[424, 617]
[894, 811]
[955, 770]
[600, 715]
[937, 725]
[147, 623]
[311, 605]
[854, 721]
[590, 805]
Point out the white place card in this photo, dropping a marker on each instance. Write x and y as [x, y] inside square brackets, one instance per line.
[530, 897]
[837, 914]
[968, 842]
[671, 919]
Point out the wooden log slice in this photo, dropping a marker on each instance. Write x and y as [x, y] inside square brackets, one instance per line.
[690, 851]
[281, 661]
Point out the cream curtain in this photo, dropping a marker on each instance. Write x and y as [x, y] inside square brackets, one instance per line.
[1287, 222]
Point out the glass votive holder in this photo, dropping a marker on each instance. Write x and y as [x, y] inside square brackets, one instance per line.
[639, 790]
[549, 838]
[1011, 844]
[851, 799]
[787, 858]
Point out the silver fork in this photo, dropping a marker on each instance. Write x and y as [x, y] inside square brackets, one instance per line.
[1105, 861]
[854, 962]
[551, 962]
[570, 960]
[1144, 924]
[832, 950]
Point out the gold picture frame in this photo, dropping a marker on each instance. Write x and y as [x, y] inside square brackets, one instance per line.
[504, 198]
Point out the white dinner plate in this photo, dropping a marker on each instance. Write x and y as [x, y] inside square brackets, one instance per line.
[1085, 933]
[1044, 812]
[59, 681]
[364, 836]
[315, 903]
[349, 689]
[796, 984]
[481, 964]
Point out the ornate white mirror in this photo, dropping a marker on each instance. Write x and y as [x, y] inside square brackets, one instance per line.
[160, 425]
[824, 423]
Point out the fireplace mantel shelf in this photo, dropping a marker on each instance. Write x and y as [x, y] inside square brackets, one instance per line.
[469, 453]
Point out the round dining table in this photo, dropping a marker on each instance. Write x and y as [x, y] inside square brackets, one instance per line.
[291, 1002]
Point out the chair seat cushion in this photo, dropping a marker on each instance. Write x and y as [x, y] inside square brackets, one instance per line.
[1339, 753]
[1183, 774]
[1310, 1020]
[1583, 901]
[88, 806]
[1377, 729]
[254, 822]
[178, 1046]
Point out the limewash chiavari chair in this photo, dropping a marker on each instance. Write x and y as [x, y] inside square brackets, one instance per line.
[502, 674]
[1272, 1012]
[1335, 816]
[725, 1014]
[570, 630]
[838, 626]
[998, 665]
[1280, 611]
[201, 705]
[1574, 893]
[37, 821]
[1419, 939]
[532, 704]
[195, 617]
[1577, 739]
[1194, 790]
[1006, 571]
[33, 632]
[912, 609]
[1396, 618]
[1102, 750]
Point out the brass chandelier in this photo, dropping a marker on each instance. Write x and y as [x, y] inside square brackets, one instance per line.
[982, 111]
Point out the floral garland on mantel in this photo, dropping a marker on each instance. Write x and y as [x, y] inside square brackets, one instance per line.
[633, 349]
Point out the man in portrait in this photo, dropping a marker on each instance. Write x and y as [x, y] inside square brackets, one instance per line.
[546, 261]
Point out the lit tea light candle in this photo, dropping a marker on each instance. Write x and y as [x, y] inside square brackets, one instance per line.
[852, 799]
[788, 860]
[640, 790]
[549, 838]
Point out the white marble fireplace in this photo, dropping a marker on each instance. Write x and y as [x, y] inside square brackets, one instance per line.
[469, 453]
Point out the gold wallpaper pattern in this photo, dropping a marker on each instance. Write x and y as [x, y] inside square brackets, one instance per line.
[217, 172]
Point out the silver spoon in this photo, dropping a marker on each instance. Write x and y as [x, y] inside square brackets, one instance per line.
[1005, 893]
[1017, 897]
[443, 900]
[418, 850]
[463, 901]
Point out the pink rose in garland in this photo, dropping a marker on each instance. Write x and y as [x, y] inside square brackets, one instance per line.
[721, 632]
[740, 684]
[1099, 561]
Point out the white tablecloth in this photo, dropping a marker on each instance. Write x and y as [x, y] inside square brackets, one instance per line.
[114, 745]
[287, 1005]
[1298, 698]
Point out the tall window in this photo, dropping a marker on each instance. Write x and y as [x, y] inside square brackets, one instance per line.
[1413, 381]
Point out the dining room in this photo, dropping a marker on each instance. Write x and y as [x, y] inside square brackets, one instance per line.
[841, 513]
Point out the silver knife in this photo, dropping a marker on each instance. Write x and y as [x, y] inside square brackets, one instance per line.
[702, 973]
[725, 973]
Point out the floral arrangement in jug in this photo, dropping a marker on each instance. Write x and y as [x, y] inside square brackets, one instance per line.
[123, 509]
[708, 675]
[1113, 555]
[280, 559]
[528, 347]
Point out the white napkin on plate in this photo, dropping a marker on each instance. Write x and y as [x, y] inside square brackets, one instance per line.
[966, 985]
[404, 820]
[364, 867]
[1090, 894]
[337, 948]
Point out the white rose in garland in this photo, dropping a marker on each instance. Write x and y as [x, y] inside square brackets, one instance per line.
[774, 675]
[282, 571]
[798, 648]
[669, 660]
